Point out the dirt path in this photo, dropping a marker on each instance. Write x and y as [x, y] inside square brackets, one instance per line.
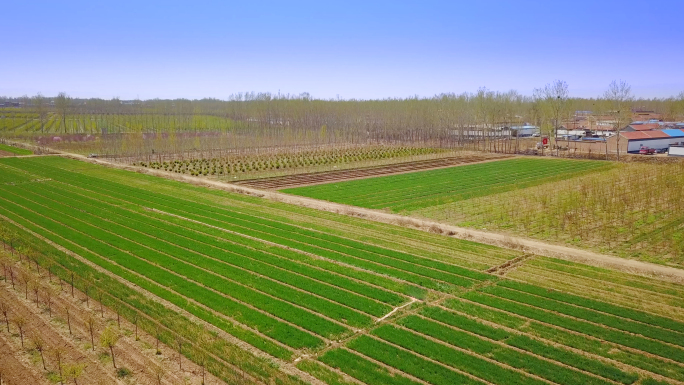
[519, 243]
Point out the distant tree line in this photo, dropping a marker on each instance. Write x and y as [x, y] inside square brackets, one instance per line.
[445, 120]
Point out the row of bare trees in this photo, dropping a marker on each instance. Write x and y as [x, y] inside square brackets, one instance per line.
[28, 277]
[472, 120]
[21, 274]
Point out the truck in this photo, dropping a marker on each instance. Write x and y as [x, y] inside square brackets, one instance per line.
[647, 150]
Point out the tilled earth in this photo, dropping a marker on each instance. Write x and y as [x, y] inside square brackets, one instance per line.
[281, 182]
[23, 365]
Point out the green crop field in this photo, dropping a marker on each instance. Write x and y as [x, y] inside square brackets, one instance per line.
[14, 150]
[413, 191]
[333, 296]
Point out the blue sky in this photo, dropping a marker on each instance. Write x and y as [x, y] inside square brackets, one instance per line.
[351, 49]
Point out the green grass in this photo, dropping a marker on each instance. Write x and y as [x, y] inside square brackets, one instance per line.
[364, 370]
[14, 150]
[412, 191]
[408, 362]
[152, 317]
[478, 367]
[619, 311]
[593, 316]
[595, 330]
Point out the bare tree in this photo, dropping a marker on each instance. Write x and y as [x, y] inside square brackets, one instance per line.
[41, 107]
[99, 298]
[619, 95]
[59, 352]
[20, 322]
[135, 323]
[158, 372]
[90, 323]
[48, 294]
[4, 309]
[179, 343]
[73, 372]
[63, 105]
[68, 314]
[555, 96]
[108, 339]
[38, 344]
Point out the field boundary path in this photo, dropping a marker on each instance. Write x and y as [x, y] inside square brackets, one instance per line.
[666, 273]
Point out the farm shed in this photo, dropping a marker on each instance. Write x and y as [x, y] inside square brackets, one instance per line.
[658, 139]
[526, 130]
[641, 127]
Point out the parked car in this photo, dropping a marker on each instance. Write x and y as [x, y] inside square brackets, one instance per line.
[661, 151]
[647, 150]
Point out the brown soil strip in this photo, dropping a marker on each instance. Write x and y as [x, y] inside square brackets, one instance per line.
[309, 179]
[510, 265]
[138, 356]
[14, 370]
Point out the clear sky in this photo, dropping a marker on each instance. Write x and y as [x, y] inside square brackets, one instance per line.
[351, 49]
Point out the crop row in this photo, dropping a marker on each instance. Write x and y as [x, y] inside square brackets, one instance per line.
[424, 188]
[14, 150]
[478, 366]
[593, 316]
[523, 342]
[456, 251]
[230, 253]
[572, 269]
[224, 359]
[217, 264]
[580, 326]
[500, 172]
[386, 236]
[444, 192]
[401, 265]
[222, 278]
[512, 357]
[408, 362]
[92, 242]
[362, 369]
[89, 187]
[575, 340]
[80, 244]
[246, 163]
[674, 327]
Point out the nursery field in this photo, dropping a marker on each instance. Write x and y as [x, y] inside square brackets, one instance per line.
[280, 292]
[412, 191]
[631, 210]
[305, 179]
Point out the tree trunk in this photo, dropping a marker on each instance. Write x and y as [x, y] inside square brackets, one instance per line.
[68, 320]
[111, 349]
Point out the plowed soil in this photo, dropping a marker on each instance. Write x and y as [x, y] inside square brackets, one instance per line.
[281, 182]
[23, 366]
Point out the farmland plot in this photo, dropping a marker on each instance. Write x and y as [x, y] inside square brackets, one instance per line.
[412, 191]
[314, 289]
